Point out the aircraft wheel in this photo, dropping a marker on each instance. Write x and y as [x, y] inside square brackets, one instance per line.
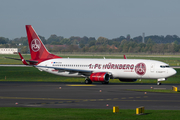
[158, 83]
[88, 81]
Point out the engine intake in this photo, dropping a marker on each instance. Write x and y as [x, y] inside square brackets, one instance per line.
[100, 77]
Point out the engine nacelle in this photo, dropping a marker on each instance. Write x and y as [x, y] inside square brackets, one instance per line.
[127, 80]
[100, 77]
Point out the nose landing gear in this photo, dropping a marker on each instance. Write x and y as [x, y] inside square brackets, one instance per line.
[158, 83]
[160, 79]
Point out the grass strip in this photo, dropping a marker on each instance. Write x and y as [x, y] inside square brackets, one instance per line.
[154, 90]
[22, 113]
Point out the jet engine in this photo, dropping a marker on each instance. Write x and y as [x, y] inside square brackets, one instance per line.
[127, 80]
[100, 77]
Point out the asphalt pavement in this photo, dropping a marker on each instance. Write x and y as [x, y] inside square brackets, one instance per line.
[80, 95]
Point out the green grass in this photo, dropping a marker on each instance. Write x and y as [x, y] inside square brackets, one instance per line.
[154, 90]
[31, 74]
[83, 114]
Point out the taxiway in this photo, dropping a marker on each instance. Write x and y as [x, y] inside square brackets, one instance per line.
[75, 95]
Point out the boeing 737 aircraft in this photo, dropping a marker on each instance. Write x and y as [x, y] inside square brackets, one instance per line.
[94, 70]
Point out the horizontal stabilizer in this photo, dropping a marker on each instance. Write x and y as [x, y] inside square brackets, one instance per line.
[23, 60]
[12, 58]
[32, 61]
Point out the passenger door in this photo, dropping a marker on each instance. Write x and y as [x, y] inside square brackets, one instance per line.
[152, 67]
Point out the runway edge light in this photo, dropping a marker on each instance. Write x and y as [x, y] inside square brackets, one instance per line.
[115, 109]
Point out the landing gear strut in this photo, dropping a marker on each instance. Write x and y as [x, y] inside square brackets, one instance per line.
[158, 83]
[88, 81]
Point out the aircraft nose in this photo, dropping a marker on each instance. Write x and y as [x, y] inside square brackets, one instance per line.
[173, 72]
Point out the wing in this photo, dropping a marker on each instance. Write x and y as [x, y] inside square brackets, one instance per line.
[83, 72]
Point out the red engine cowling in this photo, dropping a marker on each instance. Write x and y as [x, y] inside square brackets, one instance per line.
[100, 77]
[127, 80]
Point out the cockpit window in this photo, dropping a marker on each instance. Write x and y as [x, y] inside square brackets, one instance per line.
[164, 66]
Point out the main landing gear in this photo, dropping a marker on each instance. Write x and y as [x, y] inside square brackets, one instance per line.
[158, 83]
[88, 81]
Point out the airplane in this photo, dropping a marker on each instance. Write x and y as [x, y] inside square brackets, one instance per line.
[93, 70]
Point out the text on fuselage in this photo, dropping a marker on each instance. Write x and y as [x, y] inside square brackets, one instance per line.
[111, 66]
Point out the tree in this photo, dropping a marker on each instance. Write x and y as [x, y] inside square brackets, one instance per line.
[130, 50]
[24, 49]
[54, 39]
[101, 41]
[81, 45]
[3, 40]
[65, 41]
[128, 37]
[176, 46]
[12, 45]
[73, 48]
[43, 39]
[92, 43]
[84, 40]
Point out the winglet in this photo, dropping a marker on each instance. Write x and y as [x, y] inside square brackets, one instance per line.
[125, 57]
[22, 59]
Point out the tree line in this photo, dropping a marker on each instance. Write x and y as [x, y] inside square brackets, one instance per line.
[152, 44]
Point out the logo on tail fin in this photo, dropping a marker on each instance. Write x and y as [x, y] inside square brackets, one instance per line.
[35, 45]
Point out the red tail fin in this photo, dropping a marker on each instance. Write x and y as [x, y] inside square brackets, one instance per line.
[37, 49]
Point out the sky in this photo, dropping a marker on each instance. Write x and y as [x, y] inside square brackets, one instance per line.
[91, 18]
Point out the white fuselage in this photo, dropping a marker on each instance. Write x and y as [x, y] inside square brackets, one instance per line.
[118, 68]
